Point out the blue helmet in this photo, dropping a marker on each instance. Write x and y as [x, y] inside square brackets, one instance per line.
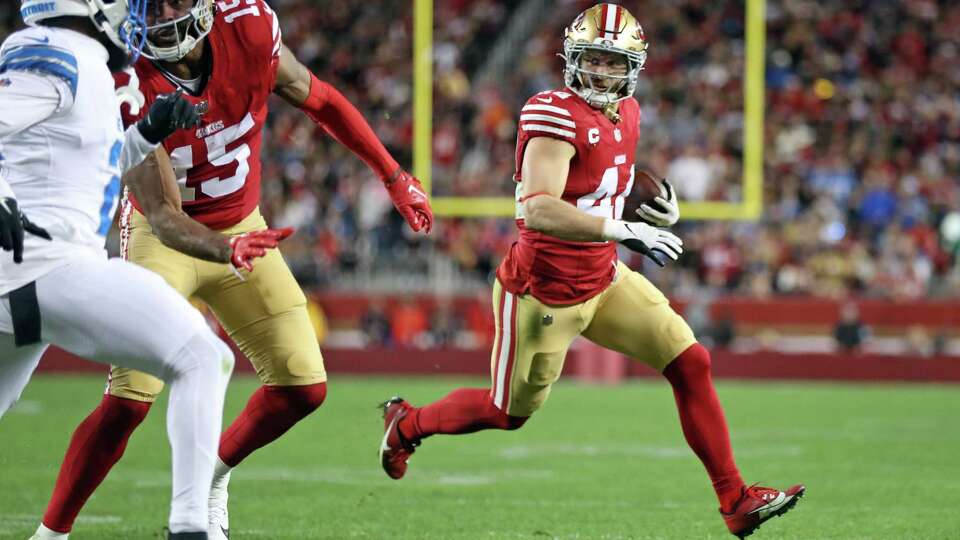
[123, 21]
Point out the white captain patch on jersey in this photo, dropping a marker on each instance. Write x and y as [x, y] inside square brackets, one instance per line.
[64, 170]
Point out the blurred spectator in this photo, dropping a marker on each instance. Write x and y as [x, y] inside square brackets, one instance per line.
[375, 325]
[478, 320]
[446, 325]
[723, 330]
[850, 333]
[919, 342]
[408, 323]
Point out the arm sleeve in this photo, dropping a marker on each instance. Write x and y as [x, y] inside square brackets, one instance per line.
[25, 100]
[331, 110]
[135, 148]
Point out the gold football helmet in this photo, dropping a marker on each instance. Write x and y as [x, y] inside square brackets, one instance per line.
[605, 28]
[187, 31]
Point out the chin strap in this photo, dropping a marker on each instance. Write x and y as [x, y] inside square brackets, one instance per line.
[611, 111]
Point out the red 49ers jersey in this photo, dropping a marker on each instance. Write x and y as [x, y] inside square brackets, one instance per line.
[556, 271]
[218, 163]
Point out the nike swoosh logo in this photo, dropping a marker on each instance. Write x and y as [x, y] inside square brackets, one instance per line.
[546, 100]
[413, 189]
[38, 40]
[772, 506]
[226, 532]
[384, 447]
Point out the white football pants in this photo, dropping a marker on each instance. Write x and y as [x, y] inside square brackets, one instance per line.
[115, 312]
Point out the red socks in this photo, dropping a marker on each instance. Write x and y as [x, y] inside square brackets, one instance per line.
[464, 410]
[269, 413]
[467, 410]
[703, 423]
[97, 443]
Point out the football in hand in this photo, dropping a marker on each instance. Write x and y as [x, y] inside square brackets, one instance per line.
[646, 188]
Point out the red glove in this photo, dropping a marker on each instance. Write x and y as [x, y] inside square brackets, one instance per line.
[244, 248]
[411, 200]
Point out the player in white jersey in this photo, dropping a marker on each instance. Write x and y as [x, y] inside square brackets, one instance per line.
[63, 152]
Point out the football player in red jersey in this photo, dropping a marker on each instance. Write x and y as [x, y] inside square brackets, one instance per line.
[575, 157]
[227, 57]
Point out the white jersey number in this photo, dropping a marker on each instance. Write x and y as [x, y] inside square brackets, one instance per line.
[606, 201]
[229, 5]
[218, 156]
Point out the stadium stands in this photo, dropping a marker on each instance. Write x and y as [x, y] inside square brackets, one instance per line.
[862, 161]
[862, 164]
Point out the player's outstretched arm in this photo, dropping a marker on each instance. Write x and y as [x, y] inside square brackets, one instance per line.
[546, 163]
[154, 184]
[338, 117]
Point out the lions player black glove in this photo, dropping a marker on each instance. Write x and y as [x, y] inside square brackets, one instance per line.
[13, 224]
[168, 113]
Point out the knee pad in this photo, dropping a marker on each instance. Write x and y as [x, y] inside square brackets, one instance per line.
[203, 350]
[303, 399]
[693, 362]
[227, 358]
[123, 412]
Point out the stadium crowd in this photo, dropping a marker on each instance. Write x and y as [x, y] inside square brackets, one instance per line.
[862, 166]
[862, 135]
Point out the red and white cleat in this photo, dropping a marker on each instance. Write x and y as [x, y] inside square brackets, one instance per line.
[758, 504]
[394, 449]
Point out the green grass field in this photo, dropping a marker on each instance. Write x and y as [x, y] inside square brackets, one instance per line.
[597, 463]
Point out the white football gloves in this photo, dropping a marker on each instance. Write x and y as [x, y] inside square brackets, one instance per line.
[644, 239]
[668, 213]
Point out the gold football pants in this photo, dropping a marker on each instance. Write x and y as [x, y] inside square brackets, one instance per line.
[265, 313]
[631, 316]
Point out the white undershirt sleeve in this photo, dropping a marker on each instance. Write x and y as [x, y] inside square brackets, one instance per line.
[135, 149]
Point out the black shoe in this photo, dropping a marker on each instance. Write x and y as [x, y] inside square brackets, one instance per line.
[202, 535]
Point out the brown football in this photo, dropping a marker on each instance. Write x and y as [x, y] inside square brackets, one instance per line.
[646, 187]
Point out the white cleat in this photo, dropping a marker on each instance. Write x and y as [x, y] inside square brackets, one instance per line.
[218, 518]
[43, 533]
[218, 527]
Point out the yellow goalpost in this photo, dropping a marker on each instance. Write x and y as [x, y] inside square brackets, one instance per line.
[750, 208]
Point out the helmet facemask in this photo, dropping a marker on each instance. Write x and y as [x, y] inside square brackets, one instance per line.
[187, 31]
[123, 22]
[581, 79]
